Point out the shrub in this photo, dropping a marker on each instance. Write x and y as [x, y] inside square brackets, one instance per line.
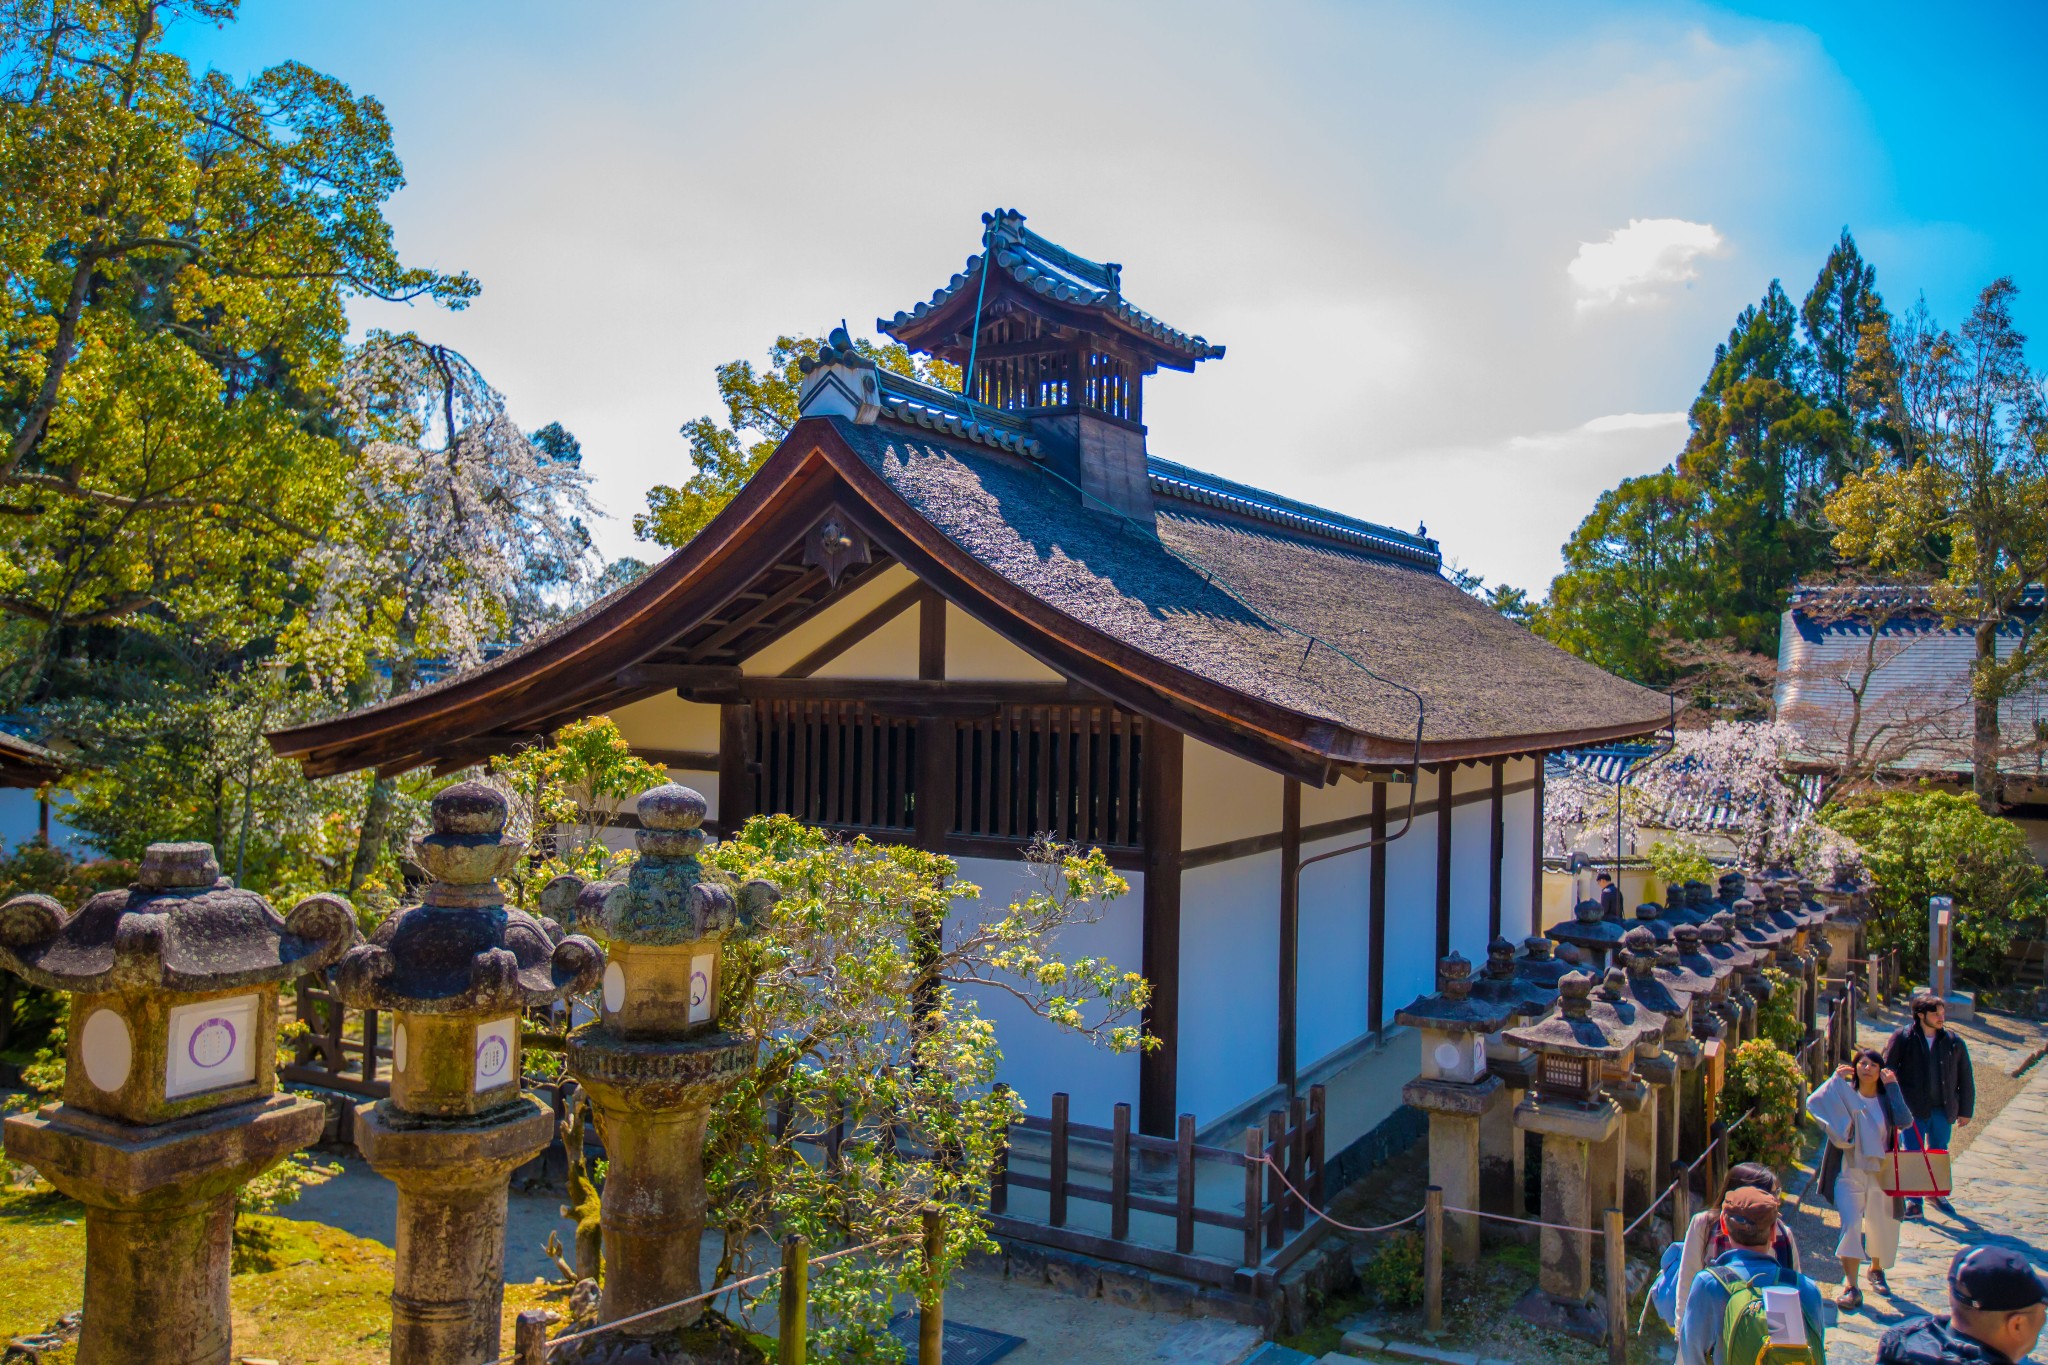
[1923, 843]
[1766, 1083]
[1676, 864]
[1777, 1019]
[1394, 1275]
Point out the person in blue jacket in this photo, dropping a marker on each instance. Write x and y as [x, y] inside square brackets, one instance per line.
[1996, 1305]
[1751, 1219]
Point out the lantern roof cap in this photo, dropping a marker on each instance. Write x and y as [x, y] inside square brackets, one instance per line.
[1575, 1028]
[1457, 1007]
[462, 950]
[182, 927]
[665, 898]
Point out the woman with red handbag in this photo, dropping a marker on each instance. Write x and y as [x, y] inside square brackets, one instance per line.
[1862, 1109]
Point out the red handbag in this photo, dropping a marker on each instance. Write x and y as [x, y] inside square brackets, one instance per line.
[1916, 1175]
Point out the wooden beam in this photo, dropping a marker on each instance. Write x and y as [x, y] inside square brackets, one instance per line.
[1499, 850]
[755, 615]
[1536, 855]
[681, 677]
[736, 767]
[867, 625]
[1376, 916]
[1290, 929]
[904, 693]
[692, 760]
[931, 636]
[1446, 785]
[1160, 799]
[1253, 844]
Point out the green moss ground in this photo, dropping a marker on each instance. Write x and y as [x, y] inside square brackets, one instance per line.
[303, 1293]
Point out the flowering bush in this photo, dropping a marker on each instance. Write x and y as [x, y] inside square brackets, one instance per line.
[1765, 1083]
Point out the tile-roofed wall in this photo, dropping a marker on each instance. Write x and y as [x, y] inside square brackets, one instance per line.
[1207, 490]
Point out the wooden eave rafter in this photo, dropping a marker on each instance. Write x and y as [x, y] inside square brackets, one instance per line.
[629, 650]
[943, 331]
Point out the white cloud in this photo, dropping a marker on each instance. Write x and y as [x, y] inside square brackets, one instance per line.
[1636, 262]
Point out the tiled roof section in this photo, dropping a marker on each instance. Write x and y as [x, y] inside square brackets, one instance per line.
[1233, 600]
[1206, 490]
[1848, 599]
[1051, 270]
[921, 405]
[24, 763]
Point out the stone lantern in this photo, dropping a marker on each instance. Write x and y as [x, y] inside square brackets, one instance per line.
[1457, 1092]
[1569, 1108]
[1624, 1080]
[170, 1086]
[653, 1064]
[1688, 904]
[457, 971]
[1656, 919]
[1652, 1144]
[1681, 967]
[1591, 932]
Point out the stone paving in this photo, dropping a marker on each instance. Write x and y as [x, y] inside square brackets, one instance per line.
[2001, 1196]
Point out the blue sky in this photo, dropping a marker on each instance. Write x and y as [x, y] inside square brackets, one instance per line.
[1470, 261]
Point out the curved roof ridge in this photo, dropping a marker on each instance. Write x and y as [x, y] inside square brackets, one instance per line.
[1180, 481]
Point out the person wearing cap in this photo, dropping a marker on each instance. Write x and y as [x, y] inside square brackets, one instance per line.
[1749, 1217]
[1996, 1304]
[1934, 1071]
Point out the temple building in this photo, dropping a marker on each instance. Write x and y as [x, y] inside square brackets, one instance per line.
[961, 620]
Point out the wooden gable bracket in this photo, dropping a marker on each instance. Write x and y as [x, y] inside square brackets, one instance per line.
[836, 544]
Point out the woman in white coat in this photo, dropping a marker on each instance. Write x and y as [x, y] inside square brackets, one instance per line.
[1862, 1109]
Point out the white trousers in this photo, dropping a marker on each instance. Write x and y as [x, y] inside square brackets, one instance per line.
[1869, 1232]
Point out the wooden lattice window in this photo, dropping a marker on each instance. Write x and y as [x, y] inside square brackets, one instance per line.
[1566, 1077]
[1071, 771]
[835, 763]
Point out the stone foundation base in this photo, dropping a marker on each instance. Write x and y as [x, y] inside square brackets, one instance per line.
[1587, 1320]
[710, 1340]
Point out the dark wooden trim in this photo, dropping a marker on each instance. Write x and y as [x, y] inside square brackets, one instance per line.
[1376, 915]
[1160, 801]
[870, 622]
[692, 760]
[1252, 844]
[905, 692]
[990, 846]
[931, 636]
[1290, 928]
[1536, 854]
[1446, 786]
[1499, 832]
[735, 765]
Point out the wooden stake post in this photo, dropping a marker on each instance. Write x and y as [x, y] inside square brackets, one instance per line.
[1617, 1287]
[794, 1308]
[931, 1306]
[1433, 1258]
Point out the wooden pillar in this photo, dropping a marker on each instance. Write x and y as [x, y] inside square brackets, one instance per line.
[735, 767]
[1499, 851]
[1536, 852]
[1160, 801]
[936, 778]
[931, 636]
[1376, 915]
[1290, 928]
[1446, 779]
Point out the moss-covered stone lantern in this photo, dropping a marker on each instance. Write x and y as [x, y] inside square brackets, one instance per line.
[170, 1084]
[653, 1064]
[1457, 1092]
[457, 971]
[1721, 940]
[1591, 932]
[1569, 1108]
[1624, 1080]
[1681, 967]
[1653, 1136]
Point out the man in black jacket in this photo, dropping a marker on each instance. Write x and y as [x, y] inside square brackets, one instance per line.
[1933, 1067]
[1996, 1309]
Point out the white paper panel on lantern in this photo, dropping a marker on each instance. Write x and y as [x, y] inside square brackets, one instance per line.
[213, 1045]
[494, 1055]
[701, 1003]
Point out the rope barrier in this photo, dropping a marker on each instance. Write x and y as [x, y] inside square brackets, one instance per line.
[710, 1294]
[1323, 1214]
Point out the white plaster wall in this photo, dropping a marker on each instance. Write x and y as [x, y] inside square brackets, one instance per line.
[666, 721]
[1039, 1057]
[1518, 821]
[1471, 873]
[891, 652]
[1223, 797]
[1334, 967]
[1229, 983]
[1341, 799]
[974, 653]
[1411, 900]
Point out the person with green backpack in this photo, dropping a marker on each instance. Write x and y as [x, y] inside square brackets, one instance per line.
[1746, 1308]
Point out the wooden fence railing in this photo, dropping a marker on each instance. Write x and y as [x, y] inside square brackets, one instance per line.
[1293, 1139]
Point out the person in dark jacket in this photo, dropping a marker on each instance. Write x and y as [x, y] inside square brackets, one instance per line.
[1933, 1067]
[1996, 1302]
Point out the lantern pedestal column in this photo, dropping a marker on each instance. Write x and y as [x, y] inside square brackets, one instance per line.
[653, 1103]
[449, 1292]
[1502, 1160]
[1643, 1167]
[1571, 1134]
[159, 1217]
[1457, 1117]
